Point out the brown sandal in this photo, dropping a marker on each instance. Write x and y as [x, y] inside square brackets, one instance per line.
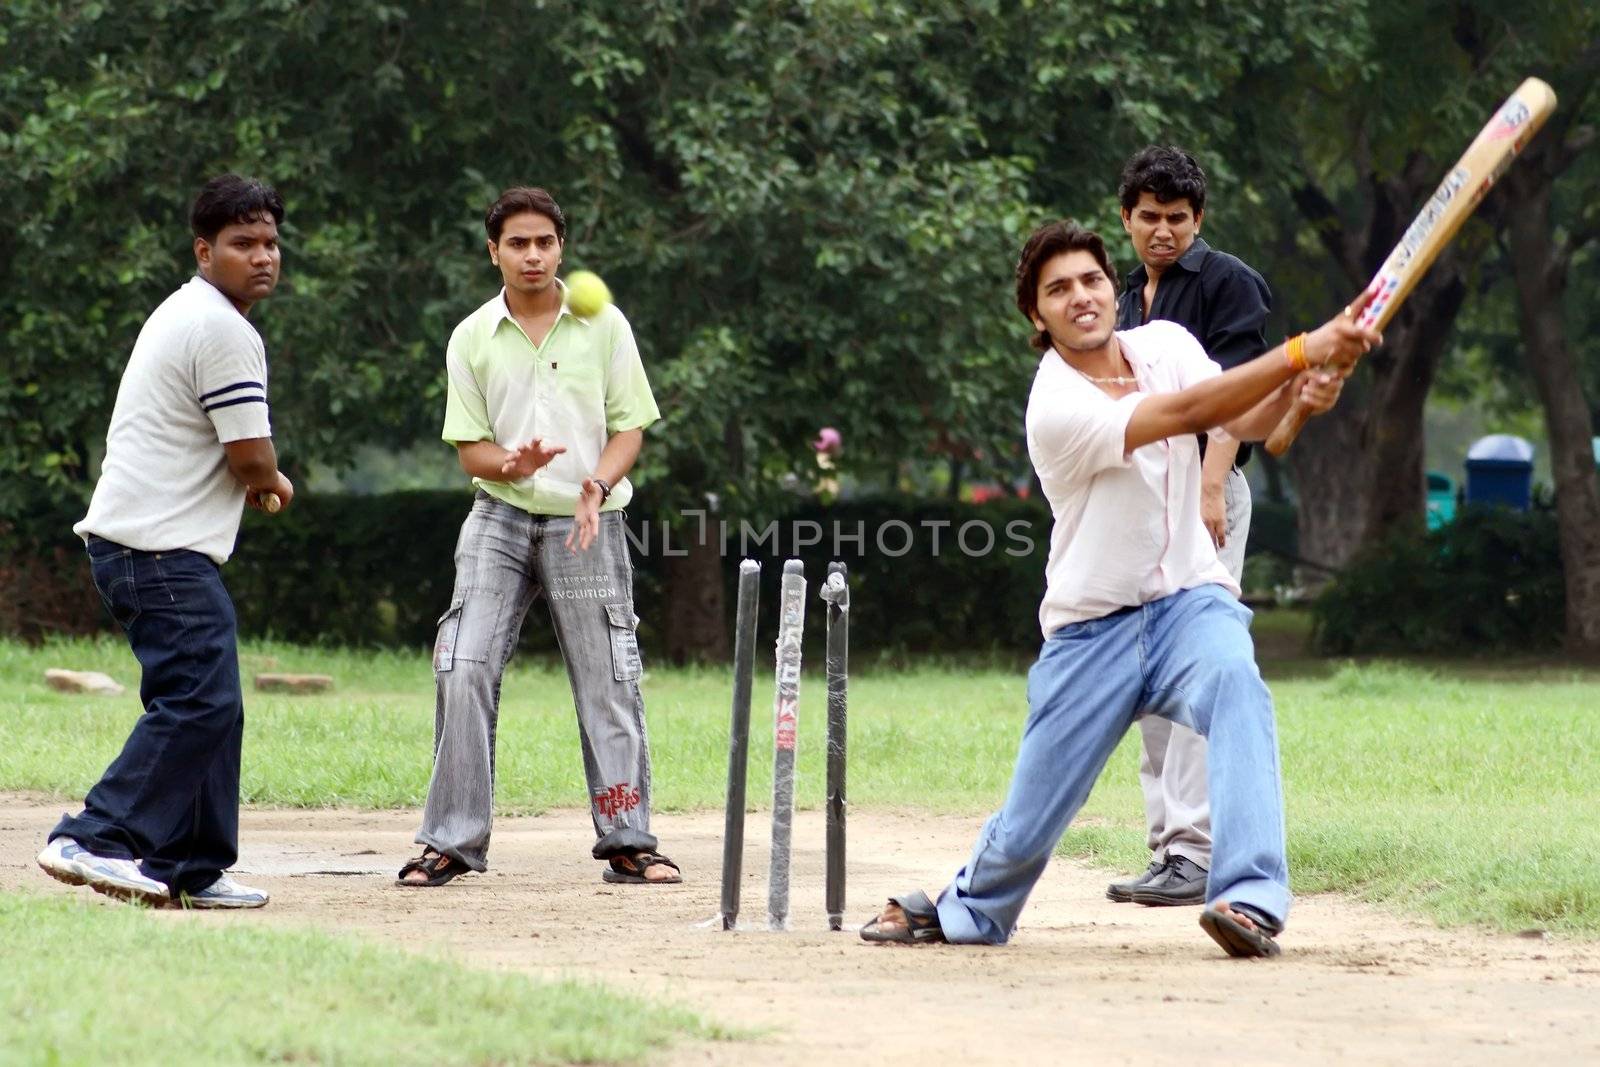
[919, 927]
[436, 865]
[627, 868]
[1256, 937]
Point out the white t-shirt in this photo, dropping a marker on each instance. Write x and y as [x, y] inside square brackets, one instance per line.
[1127, 527]
[197, 378]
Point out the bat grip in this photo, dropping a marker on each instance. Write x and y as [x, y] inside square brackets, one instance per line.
[270, 503]
[1288, 428]
[1294, 420]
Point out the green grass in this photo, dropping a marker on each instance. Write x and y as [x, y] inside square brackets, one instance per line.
[88, 984]
[369, 743]
[1462, 791]
[1465, 799]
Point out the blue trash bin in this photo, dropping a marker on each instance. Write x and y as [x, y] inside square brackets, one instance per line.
[1500, 472]
[1441, 500]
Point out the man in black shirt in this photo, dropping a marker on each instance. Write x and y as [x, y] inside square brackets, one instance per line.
[1224, 303]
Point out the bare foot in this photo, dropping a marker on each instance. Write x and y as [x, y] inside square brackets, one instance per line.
[660, 872]
[642, 866]
[417, 877]
[892, 918]
[909, 919]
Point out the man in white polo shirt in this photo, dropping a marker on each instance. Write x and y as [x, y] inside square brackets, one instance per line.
[1139, 616]
[189, 446]
[547, 411]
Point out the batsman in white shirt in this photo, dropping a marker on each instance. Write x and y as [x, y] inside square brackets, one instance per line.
[1139, 616]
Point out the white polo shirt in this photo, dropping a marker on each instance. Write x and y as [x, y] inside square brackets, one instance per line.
[197, 379]
[1127, 527]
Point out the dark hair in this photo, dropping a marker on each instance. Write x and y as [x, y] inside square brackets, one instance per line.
[1043, 245]
[518, 199]
[1167, 171]
[227, 199]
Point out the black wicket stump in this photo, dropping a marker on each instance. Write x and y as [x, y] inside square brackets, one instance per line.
[744, 654]
[836, 591]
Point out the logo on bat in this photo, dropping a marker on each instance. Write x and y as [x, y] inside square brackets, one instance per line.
[784, 733]
[1421, 226]
[1510, 121]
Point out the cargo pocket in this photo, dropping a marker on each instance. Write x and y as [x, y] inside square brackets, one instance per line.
[624, 642]
[467, 630]
[444, 645]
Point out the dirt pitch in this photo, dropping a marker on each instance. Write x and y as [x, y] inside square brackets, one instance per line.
[1083, 981]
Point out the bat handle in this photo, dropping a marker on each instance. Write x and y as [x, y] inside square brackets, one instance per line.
[1288, 428]
[271, 504]
[1294, 420]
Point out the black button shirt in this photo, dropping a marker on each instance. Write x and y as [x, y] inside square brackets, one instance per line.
[1217, 297]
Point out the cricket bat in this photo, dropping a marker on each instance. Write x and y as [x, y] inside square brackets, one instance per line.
[270, 503]
[1490, 153]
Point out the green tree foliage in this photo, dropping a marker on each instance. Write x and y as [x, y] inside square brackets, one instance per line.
[799, 214]
[809, 210]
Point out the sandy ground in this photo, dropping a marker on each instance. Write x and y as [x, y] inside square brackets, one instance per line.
[1083, 981]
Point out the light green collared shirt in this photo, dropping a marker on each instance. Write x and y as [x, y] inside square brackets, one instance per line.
[584, 383]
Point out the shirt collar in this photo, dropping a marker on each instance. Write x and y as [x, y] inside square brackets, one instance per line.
[504, 309]
[213, 292]
[1189, 261]
[1062, 368]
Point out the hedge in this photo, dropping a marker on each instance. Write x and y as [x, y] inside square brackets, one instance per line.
[1491, 580]
[378, 570]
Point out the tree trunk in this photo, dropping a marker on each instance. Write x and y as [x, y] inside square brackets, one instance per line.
[1416, 342]
[697, 624]
[1358, 470]
[1330, 475]
[1539, 266]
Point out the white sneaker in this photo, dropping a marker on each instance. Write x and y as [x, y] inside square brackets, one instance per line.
[67, 861]
[226, 893]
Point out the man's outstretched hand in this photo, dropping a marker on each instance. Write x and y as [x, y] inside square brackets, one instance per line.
[524, 459]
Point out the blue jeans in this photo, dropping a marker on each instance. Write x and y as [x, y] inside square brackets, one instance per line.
[1187, 657]
[171, 798]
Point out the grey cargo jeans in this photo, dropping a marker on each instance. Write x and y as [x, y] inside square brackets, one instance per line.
[506, 558]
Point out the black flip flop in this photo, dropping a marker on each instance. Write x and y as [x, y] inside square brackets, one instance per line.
[921, 926]
[436, 865]
[1237, 939]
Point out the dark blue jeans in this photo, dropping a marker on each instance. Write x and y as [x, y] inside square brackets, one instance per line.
[171, 799]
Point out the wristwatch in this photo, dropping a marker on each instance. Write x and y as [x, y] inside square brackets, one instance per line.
[605, 488]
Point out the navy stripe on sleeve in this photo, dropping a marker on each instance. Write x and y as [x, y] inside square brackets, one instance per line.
[231, 403]
[231, 388]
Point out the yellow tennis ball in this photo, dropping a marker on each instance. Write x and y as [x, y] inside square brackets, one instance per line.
[587, 295]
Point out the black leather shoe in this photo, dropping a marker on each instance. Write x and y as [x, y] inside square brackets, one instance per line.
[1122, 892]
[1183, 883]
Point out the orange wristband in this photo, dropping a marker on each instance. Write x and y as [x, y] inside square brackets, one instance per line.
[1294, 350]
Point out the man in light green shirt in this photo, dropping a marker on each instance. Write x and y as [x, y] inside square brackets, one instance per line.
[547, 411]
